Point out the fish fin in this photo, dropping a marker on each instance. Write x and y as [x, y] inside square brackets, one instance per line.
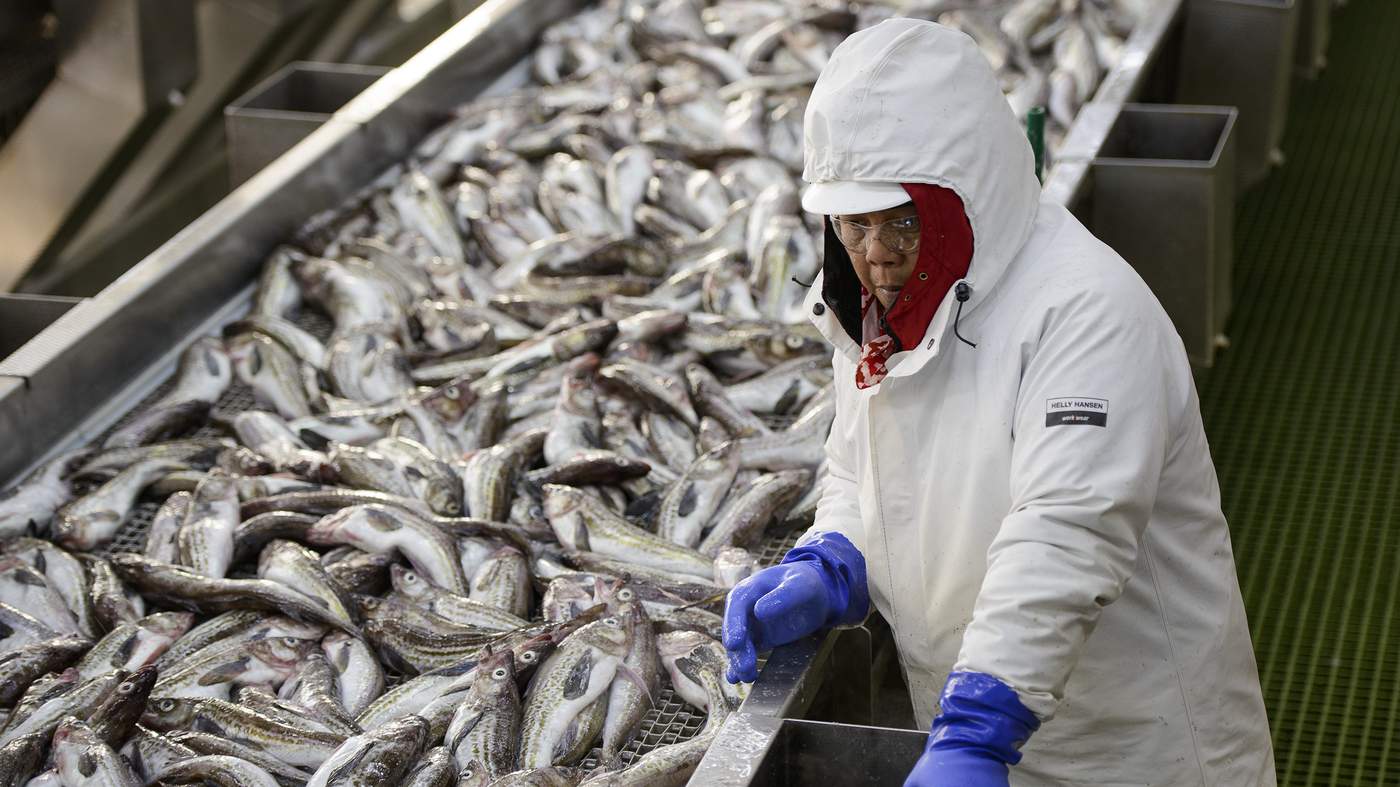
[630, 674]
[577, 682]
[313, 439]
[225, 672]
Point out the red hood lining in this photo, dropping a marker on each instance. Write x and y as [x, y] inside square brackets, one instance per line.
[945, 254]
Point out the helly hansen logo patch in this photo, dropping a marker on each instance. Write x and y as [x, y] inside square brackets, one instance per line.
[1067, 410]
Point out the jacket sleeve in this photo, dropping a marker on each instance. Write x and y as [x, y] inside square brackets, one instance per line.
[1091, 433]
[838, 509]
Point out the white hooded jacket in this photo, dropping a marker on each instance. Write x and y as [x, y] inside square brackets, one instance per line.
[1043, 507]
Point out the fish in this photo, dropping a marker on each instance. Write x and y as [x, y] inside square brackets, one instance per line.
[629, 699]
[402, 467]
[458, 609]
[216, 671]
[27, 508]
[654, 386]
[582, 521]
[205, 540]
[205, 371]
[46, 717]
[112, 603]
[220, 769]
[135, 644]
[359, 679]
[19, 667]
[733, 565]
[743, 521]
[28, 590]
[116, 715]
[576, 675]
[503, 582]
[316, 692]
[161, 537]
[377, 757]
[93, 520]
[208, 745]
[485, 728]
[273, 372]
[293, 745]
[151, 754]
[83, 759]
[298, 568]
[180, 587]
[434, 769]
[378, 528]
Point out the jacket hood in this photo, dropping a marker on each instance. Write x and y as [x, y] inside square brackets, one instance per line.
[913, 102]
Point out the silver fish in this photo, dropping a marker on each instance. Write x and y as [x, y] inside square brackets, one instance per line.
[583, 522]
[84, 760]
[273, 373]
[204, 372]
[743, 521]
[28, 506]
[94, 519]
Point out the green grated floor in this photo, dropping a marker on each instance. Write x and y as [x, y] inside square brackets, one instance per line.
[1303, 413]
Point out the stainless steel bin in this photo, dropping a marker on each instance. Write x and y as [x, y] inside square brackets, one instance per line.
[1240, 53]
[268, 120]
[1164, 198]
[818, 752]
[23, 316]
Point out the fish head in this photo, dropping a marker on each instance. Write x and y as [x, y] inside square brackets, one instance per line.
[473, 774]
[675, 644]
[128, 700]
[564, 507]
[590, 336]
[530, 653]
[170, 713]
[451, 401]
[78, 532]
[443, 493]
[281, 653]
[407, 582]
[369, 606]
[608, 634]
[169, 625]
[497, 670]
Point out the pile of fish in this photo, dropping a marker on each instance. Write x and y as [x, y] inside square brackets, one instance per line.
[366, 577]
[521, 408]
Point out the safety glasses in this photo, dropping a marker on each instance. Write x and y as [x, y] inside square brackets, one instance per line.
[900, 236]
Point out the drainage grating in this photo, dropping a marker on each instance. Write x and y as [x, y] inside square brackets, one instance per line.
[1302, 415]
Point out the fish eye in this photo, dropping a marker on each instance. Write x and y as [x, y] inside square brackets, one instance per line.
[624, 595]
[610, 622]
[452, 392]
[409, 576]
[165, 706]
[290, 642]
[125, 688]
[794, 342]
[528, 656]
[499, 674]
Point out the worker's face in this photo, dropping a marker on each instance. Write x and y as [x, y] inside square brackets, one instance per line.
[881, 270]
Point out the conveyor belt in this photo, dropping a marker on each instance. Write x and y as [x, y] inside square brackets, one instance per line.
[670, 720]
[1302, 415]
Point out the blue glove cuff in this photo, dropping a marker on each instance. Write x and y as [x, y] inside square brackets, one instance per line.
[843, 575]
[982, 715]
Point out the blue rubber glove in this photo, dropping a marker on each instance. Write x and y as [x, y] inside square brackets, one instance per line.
[818, 584]
[977, 737]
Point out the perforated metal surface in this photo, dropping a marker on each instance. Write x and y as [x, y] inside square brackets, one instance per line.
[1303, 419]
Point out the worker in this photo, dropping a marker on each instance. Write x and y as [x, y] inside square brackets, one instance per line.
[1017, 476]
